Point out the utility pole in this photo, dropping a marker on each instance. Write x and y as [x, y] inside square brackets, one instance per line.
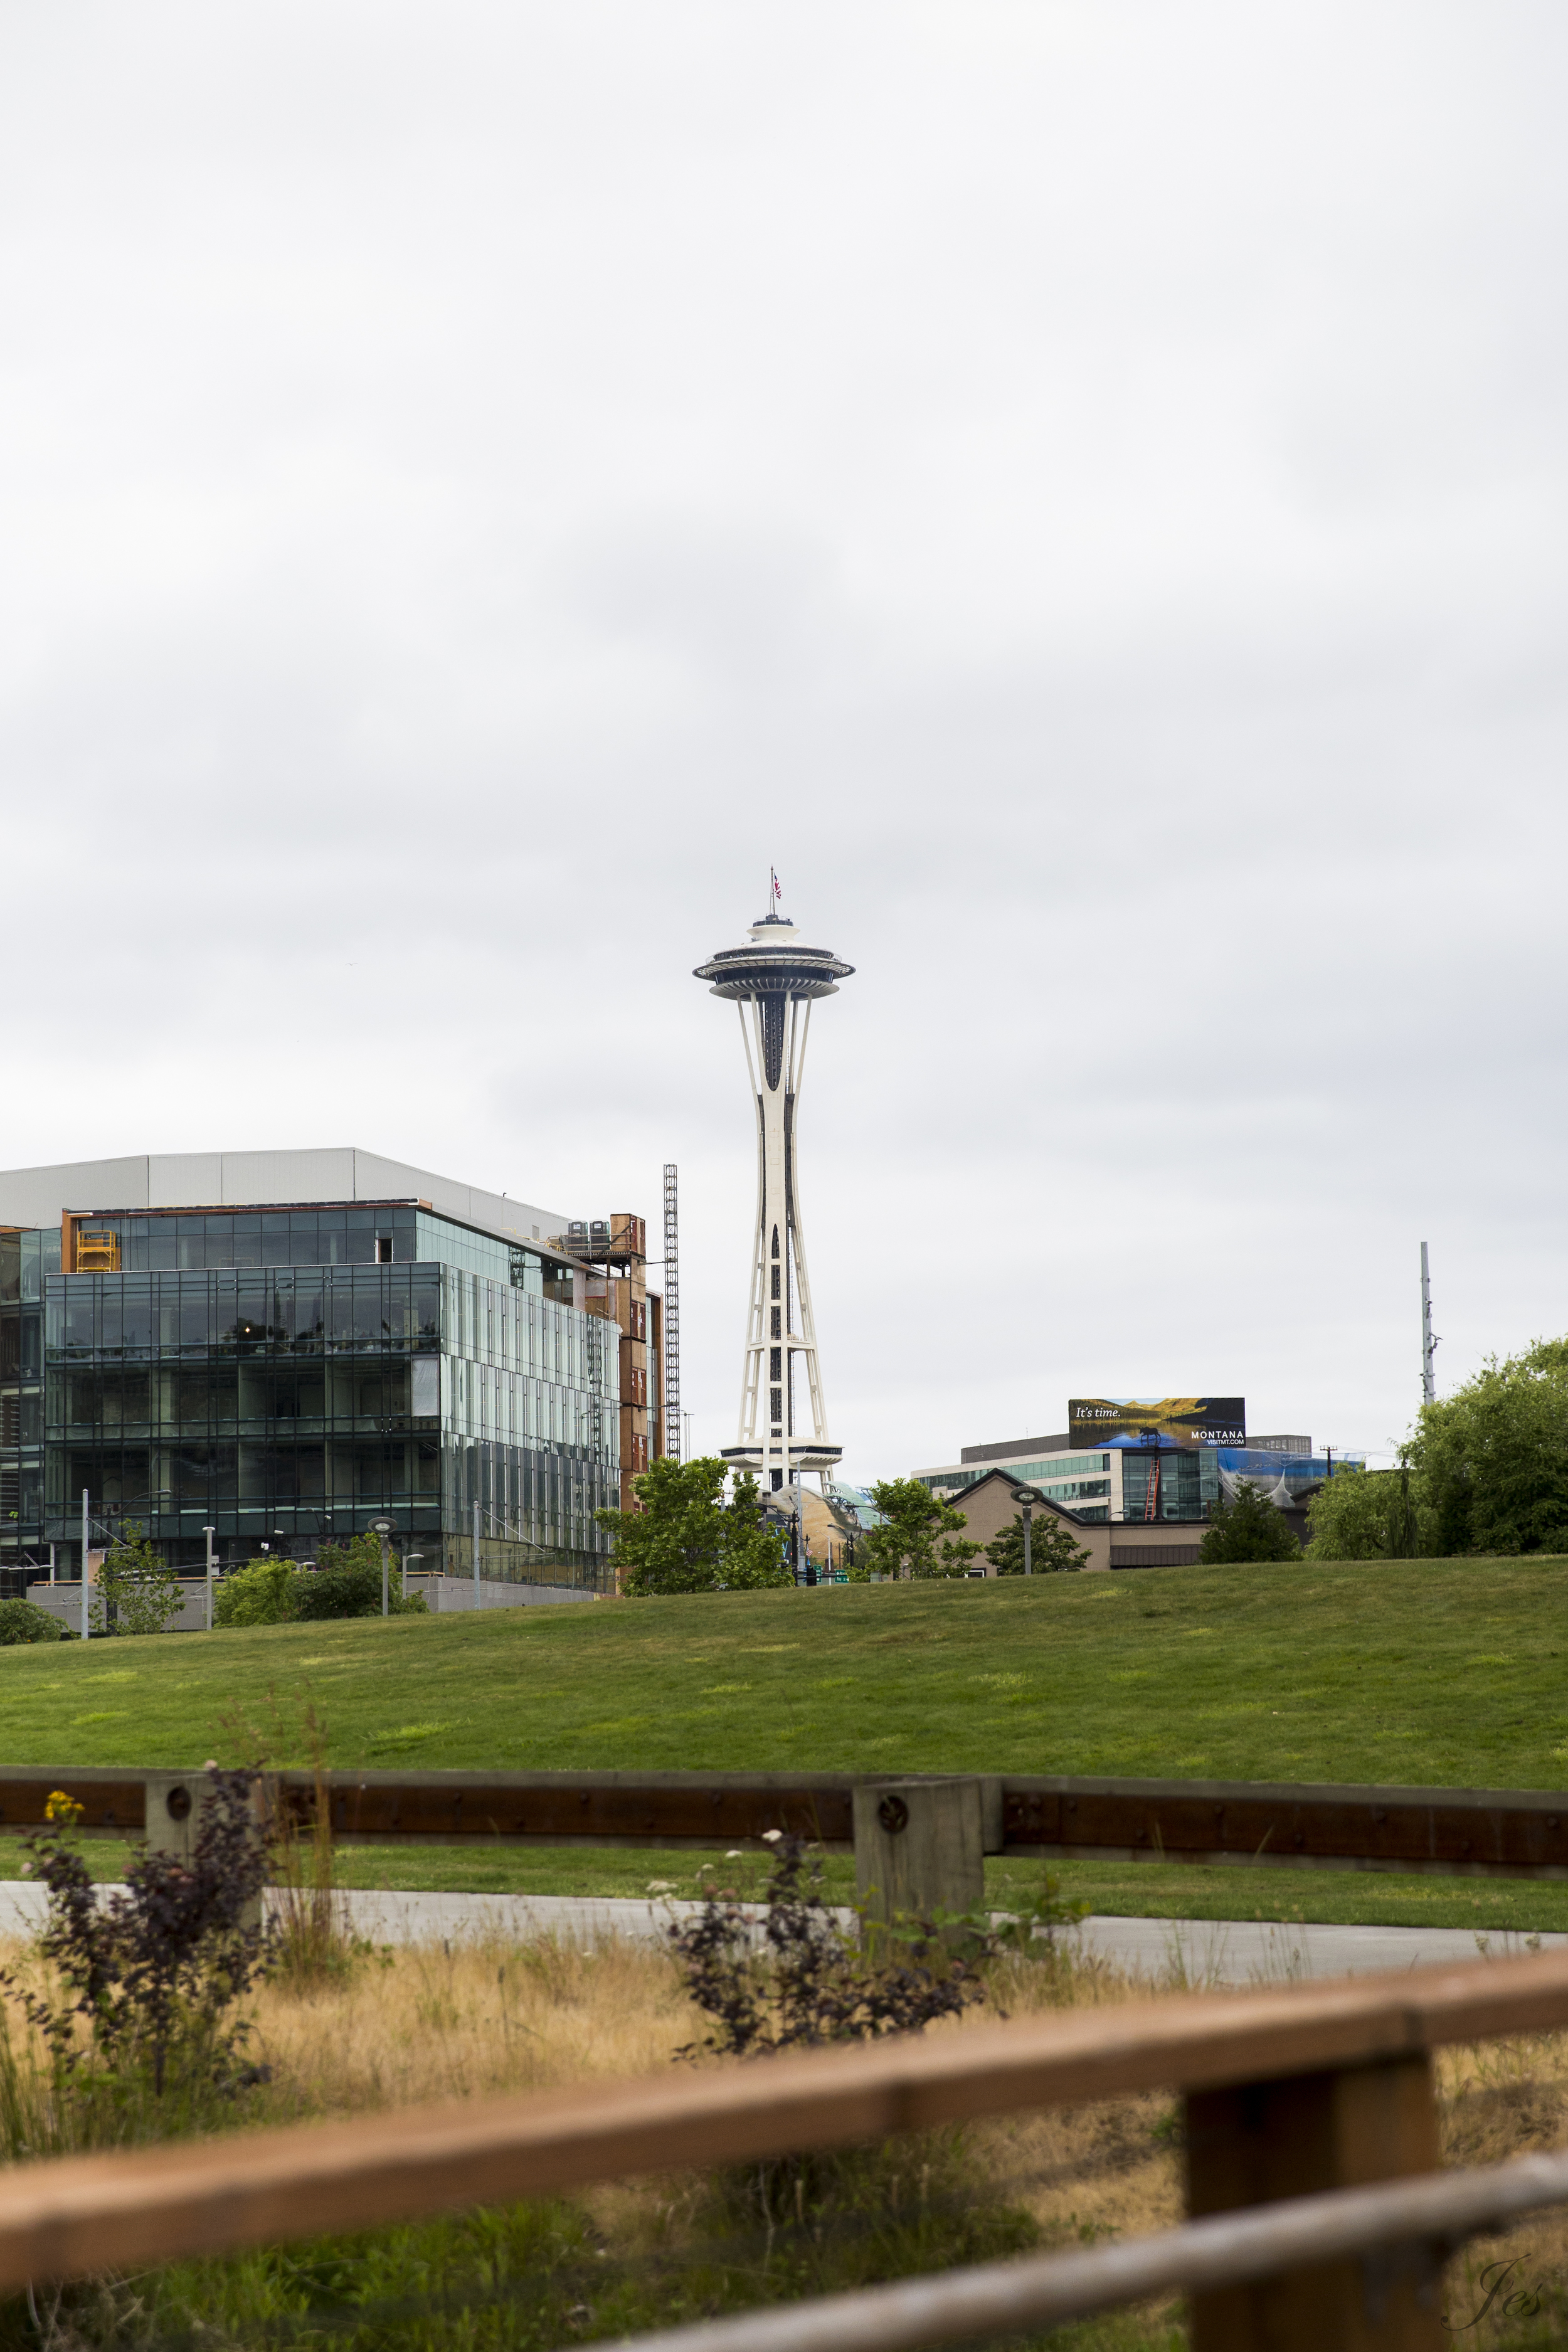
[672, 1313]
[1428, 1344]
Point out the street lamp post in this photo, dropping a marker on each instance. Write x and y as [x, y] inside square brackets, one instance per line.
[209, 1533]
[86, 1539]
[408, 1559]
[384, 1529]
[1025, 1496]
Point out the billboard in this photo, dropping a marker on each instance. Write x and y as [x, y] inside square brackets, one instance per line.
[1173, 1421]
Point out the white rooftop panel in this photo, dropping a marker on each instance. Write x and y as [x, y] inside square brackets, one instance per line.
[247, 1176]
[176, 1180]
[39, 1196]
[181, 1179]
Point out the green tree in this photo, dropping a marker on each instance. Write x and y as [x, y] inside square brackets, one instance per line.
[1403, 1520]
[24, 1620]
[1489, 1464]
[685, 1540]
[1052, 1548]
[754, 1557]
[906, 1543]
[136, 1592]
[1356, 1514]
[346, 1582]
[1248, 1528]
[262, 1592]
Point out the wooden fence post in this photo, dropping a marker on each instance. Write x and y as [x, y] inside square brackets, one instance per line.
[175, 1802]
[1253, 2143]
[174, 1805]
[918, 1847]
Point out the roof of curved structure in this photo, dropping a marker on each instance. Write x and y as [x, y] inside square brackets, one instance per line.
[775, 961]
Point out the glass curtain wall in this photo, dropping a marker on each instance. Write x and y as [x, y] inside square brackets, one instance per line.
[25, 1257]
[530, 1429]
[289, 1405]
[1189, 1482]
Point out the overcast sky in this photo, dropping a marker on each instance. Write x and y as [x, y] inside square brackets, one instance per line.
[1079, 488]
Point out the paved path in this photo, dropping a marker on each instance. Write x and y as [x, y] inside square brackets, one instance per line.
[1207, 1951]
[1248, 1951]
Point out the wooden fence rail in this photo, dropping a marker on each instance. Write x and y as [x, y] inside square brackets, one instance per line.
[1408, 2227]
[1332, 2082]
[1506, 1833]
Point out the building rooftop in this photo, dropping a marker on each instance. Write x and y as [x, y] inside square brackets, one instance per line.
[246, 1180]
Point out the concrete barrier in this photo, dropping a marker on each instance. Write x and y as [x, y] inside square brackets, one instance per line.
[64, 1603]
[445, 1594]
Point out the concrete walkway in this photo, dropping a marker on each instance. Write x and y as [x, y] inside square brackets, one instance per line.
[1248, 1951]
[1198, 1951]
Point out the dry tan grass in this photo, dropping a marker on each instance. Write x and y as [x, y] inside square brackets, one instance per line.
[462, 2019]
[465, 2019]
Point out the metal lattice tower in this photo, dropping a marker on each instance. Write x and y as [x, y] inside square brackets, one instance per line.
[1429, 1341]
[671, 1313]
[773, 981]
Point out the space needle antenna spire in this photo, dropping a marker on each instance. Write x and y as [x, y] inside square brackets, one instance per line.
[774, 980]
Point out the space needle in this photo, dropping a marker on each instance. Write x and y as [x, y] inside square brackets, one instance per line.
[774, 980]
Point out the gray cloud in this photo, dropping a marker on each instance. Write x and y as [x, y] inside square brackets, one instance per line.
[1080, 491]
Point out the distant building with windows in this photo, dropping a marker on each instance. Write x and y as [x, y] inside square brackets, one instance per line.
[283, 1346]
[1113, 1484]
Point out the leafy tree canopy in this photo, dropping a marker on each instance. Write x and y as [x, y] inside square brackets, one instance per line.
[686, 1539]
[1246, 1528]
[135, 1592]
[24, 1620]
[1053, 1548]
[262, 1592]
[1489, 1464]
[906, 1544]
[347, 1583]
[1365, 1515]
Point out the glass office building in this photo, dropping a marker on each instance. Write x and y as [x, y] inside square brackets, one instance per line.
[283, 1376]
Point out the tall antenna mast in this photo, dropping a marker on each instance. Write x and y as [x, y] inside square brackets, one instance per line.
[671, 1313]
[1428, 1344]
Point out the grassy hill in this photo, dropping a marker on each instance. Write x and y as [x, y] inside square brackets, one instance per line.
[1432, 1670]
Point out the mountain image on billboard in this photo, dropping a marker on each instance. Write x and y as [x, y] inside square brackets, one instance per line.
[1177, 1421]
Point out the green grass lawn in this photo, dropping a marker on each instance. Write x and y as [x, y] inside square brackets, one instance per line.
[1430, 1671]
[1139, 1890]
[1435, 1672]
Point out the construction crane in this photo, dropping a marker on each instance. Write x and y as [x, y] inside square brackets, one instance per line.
[671, 1313]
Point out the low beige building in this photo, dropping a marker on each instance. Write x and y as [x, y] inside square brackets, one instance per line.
[987, 1508]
